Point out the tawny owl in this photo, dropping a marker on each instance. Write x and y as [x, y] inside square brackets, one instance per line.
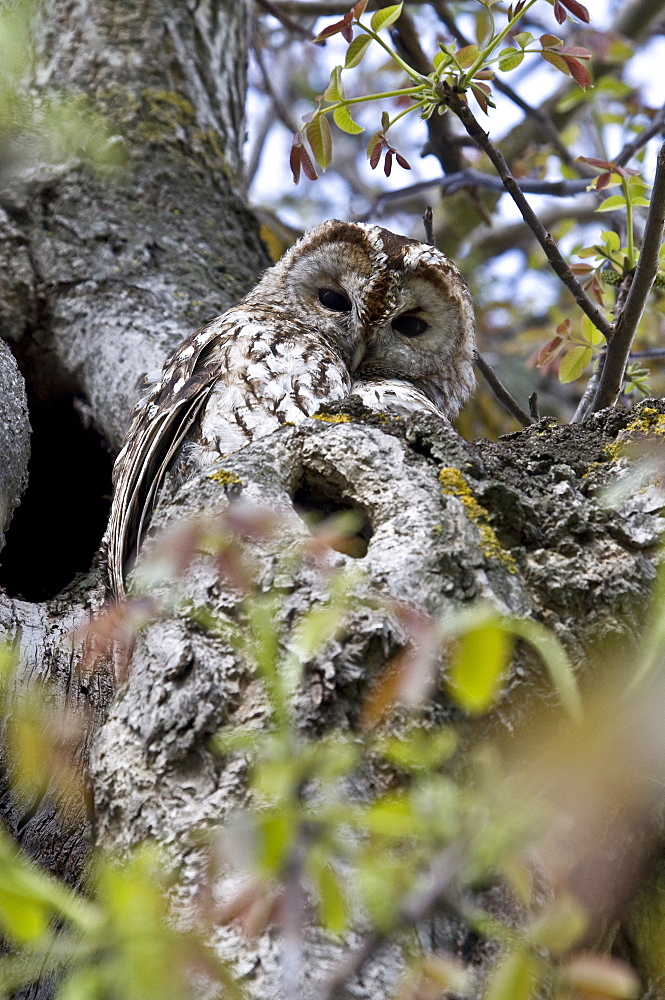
[350, 309]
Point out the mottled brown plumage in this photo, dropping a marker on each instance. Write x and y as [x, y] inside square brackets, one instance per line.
[351, 308]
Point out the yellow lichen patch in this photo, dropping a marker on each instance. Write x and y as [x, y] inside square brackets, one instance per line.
[591, 468]
[225, 478]
[333, 418]
[648, 421]
[454, 484]
[180, 107]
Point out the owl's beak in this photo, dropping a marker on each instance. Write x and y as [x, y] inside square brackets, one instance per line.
[358, 355]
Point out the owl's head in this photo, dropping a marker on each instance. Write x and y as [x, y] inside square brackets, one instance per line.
[394, 308]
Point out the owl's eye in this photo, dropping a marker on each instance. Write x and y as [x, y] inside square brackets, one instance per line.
[409, 326]
[331, 299]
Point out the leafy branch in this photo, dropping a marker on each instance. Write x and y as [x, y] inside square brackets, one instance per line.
[547, 242]
[460, 68]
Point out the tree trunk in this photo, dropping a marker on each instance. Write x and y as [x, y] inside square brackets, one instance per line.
[101, 279]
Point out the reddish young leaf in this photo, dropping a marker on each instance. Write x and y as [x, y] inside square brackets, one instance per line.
[579, 73]
[603, 180]
[577, 51]
[594, 162]
[388, 164]
[550, 41]
[596, 289]
[375, 154]
[559, 12]
[548, 352]
[307, 166]
[294, 158]
[294, 163]
[578, 9]
[402, 162]
[334, 29]
[358, 9]
[347, 33]
[483, 96]
[519, 7]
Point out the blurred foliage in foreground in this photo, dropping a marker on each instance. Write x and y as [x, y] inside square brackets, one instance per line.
[563, 816]
[47, 126]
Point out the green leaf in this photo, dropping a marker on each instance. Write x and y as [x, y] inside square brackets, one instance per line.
[611, 203]
[392, 817]
[640, 202]
[21, 918]
[319, 137]
[420, 750]
[342, 118]
[277, 832]
[554, 657]
[333, 909]
[356, 50]
[478, 667]
[29, 897]
[510, 58]
[441, 58]
[573, 363]
[467, 55]
[612, 241]
[591, 334]
[524, 38]
[515, 977]
[560, 927]
[84, 984]
[335, 89]
[386, 16]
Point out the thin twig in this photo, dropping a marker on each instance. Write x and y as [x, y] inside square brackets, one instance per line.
[533, 407]
[428, 223]
[281, 111]
[629, 150]
[547, 242]
[253, 161]
[294, 905]
[471, 178]
[626, 322]
[278, 11]
[547, 125]
[439, 885]
[651, 354]
[329, 8]
[500, 391]
[582, 409]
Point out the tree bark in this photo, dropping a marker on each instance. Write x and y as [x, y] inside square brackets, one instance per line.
[103, 276]
[101, 279]
[519, 523]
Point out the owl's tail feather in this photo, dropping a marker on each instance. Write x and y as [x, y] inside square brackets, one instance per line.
[155, 444]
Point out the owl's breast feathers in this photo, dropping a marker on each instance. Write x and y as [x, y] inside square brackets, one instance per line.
[235, 380]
